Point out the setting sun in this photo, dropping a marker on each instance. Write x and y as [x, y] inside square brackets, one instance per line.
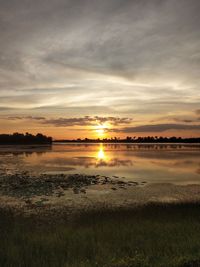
[101, 129]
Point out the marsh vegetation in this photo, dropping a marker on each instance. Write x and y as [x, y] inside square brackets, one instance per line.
[149, 236]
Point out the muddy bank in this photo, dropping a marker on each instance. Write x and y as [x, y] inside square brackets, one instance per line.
[61, 194]
[45, 193]
[25, 185]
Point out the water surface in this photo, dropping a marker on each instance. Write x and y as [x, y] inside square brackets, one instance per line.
[174, 163]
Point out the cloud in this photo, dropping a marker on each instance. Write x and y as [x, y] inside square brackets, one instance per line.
[87, 120]
[184, 120]
[79, 121]
[26, 118]
[157, 128]
[121, 38]
[172, 118]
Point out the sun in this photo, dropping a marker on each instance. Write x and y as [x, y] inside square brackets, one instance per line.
[101, 129]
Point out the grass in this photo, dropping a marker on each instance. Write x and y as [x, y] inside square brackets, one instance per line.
[151, 236]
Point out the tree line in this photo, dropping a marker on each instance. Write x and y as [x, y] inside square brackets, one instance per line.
[129, 139]
[19, 138]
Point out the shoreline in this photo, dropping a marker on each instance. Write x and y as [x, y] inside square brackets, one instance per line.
[68, 195]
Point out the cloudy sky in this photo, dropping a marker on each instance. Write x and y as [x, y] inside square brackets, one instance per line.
[77, 68]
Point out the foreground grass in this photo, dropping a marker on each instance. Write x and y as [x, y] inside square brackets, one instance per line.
[152, 236]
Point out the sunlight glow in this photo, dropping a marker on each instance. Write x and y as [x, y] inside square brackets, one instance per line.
[101, 154]
[100, 129]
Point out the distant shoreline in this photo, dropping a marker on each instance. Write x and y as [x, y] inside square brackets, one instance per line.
[123, 142]
[99, 142]
[30, 139]
[134, 140]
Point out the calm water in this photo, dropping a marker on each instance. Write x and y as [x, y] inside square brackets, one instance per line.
[151, 163]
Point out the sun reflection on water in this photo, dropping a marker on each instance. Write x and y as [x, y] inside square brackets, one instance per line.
[101, 153]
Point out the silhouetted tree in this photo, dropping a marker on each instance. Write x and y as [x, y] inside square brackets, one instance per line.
[18, 138]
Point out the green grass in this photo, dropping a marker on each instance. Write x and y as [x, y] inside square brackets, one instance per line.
[153, 236]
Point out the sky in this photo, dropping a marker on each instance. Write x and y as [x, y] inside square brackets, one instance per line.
[100, 68]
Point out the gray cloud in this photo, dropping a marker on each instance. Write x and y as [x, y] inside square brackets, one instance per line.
[158, 128]
[80, 121]
[87, 120]
[25, 118]
[126, 38]
[192, 117]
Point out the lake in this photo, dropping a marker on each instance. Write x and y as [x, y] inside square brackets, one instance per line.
[155, 163]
